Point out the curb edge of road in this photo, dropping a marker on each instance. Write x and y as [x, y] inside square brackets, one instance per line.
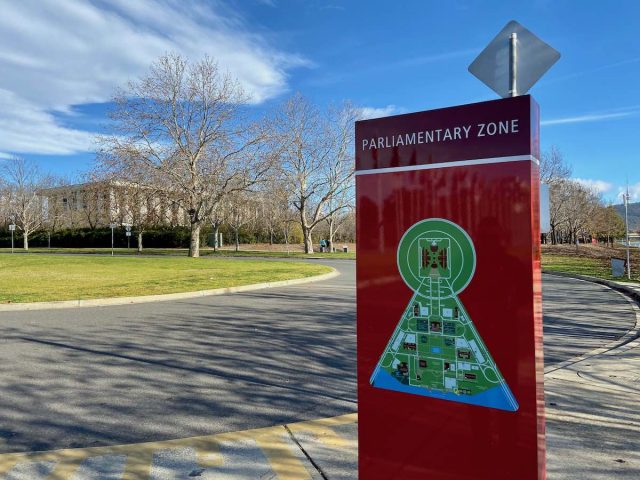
[629, 294]
[114, 301]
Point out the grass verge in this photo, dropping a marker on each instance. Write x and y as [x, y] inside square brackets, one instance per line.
[183, 252]
[38, 278]
[581, 265]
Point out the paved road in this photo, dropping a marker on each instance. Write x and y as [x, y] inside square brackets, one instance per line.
[149, 372]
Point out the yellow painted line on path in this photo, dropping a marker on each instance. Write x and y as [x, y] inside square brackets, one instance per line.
[285, 458]
[324, 433]
[285, 464]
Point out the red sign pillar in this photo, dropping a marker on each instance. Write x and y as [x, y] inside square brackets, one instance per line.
[450, 365]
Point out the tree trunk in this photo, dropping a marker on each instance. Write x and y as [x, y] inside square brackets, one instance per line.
[25, 240]
[237, 239]
[194, 241]
[139, 242]
[308, 243]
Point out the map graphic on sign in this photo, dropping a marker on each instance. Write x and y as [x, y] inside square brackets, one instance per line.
[435, 350]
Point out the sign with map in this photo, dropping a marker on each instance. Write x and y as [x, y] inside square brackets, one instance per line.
[449, 311]
[436, 350]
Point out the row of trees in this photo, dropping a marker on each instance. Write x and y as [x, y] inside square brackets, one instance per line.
[185, 129]
[577, 212]
[33, 201]
[20, 204]
[268, 217]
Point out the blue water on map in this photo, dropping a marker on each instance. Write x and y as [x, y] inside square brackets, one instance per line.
[499, 397]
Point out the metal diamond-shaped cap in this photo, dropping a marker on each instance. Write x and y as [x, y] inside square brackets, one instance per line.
[534, 58]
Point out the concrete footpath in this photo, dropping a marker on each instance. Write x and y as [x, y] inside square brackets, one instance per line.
[593, 414]
[593, 433]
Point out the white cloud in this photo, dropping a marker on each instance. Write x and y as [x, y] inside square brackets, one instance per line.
[365, 113]
[27, 128]
[599, 186]
[595, 117]
[54, 55]
[634, 193]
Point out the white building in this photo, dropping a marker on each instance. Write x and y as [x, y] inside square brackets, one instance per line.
[98, 204]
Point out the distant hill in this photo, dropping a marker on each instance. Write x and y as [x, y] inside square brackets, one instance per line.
[634, 215]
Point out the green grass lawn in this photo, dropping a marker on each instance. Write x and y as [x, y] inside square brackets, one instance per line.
[593, 267]
[183, 252]
[34, 278]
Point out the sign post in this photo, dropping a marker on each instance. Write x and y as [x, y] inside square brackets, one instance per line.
[12, 228]
[449, 322]
[513, 61]
[127, 227]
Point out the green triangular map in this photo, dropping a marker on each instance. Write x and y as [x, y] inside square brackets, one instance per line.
[435, 350]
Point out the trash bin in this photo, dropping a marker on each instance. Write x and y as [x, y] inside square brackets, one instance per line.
[345, 249]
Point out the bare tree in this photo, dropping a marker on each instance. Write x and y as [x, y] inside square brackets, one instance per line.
[241, 211]
[274, 201]
[555, 172]
[269, 218]
[336, 220]
[140, 208]
[54, 208]
[281, 216]
[573, 206]
[347, 231]
[558, 194]
[66, 201]
[553, 167]
[182, 127]
[89, 202]
[316, 158]
[23, 181]
[5, 205]
[581, 205]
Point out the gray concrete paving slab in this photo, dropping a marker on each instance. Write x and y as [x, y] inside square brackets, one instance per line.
[335, 462]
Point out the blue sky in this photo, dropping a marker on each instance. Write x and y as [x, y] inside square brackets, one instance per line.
[61, 62]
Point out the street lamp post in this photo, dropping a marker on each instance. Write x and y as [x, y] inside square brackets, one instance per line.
[626, 222]
[113, 226]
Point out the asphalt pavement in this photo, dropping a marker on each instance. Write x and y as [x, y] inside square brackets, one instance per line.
[92, 377]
